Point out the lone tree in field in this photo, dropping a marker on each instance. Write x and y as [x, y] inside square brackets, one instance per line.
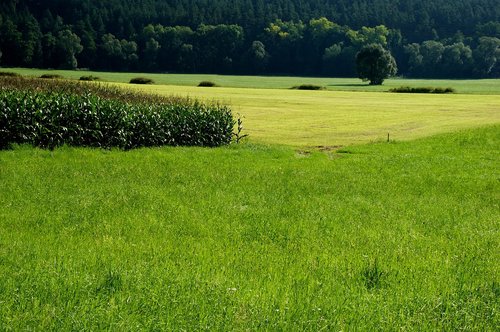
[375, 64]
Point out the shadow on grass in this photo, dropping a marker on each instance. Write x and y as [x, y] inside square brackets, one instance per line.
[352, 84]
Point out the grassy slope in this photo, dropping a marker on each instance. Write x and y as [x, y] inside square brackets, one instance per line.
[253, 237]
[326, 118]
[486, 86]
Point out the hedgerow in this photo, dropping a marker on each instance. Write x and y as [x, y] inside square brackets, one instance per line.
[207, 84]
[93, 116]
[309, 87]
[407, 89]
[141, 80]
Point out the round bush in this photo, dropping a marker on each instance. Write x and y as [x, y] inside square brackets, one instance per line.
[89, 78]
[51, 76]
[309, 87]
[141, 80]
[208, 84]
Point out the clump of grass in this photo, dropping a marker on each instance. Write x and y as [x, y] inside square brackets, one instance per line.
[8, 74]
[207, 84]
[51, 76]
[309, 87]
[89, 78]
[407, 89]
[372, 275]
[141, 80]
[111, 283]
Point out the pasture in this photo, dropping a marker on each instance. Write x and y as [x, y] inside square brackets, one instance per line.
[383, 236]
[332, 118]
[483, 86]
[286, 231]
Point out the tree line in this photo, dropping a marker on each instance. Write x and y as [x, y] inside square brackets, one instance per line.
[427, 39]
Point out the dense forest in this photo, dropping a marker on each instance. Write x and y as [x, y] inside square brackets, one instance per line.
[428, 38]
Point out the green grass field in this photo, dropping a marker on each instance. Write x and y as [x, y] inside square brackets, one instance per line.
[287, 231]
[387, 236]
[484, 86]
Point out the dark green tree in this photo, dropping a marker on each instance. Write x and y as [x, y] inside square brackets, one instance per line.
[375, 64]
[68, 46]
[432, 55]
[456, 61]
[49, 50]
[11, 41]
[31, 41]
[256, 57]
[117, 54]
[87, 34]
[331, 58]
[173, 54]
[217, 46]
[284, 41]
[487, 56]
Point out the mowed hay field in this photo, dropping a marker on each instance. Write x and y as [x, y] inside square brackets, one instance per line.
[482, 86]
[286, 231]
[333, 118]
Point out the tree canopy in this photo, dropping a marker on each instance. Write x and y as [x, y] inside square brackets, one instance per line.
[428, 38]
[375, 64]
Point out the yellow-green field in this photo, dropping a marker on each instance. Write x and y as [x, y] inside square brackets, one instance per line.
[262, 237]
[275, 114]
[331, 118]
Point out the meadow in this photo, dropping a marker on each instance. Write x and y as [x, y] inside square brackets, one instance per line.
[386, 236]
[314, 222]
[470, 86]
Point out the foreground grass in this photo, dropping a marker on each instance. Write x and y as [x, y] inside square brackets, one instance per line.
[382, 236]
[327, 118]
[484, 86]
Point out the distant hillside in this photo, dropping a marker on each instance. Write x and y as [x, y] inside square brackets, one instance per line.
[111, 34]
[415, 18]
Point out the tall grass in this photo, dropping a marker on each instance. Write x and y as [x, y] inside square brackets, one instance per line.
[83, 88]
[98, 116]
[399, 236]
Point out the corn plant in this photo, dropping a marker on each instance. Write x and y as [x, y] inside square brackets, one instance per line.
[76, 116]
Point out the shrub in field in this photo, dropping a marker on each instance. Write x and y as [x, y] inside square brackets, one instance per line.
[141, 80]
[309, 87]
[8, 74]
[208, 84]
[407, 89]
[49, 119]
[444, 90]
[89, 78]
[51, 76]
